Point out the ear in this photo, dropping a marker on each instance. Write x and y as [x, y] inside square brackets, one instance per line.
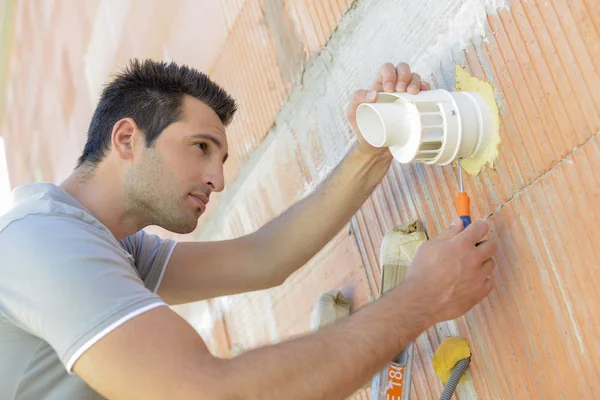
[125, 136]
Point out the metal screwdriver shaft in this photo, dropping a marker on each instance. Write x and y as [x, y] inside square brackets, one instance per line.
[460, 177]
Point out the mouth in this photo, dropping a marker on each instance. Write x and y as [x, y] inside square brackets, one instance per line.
[200, 199]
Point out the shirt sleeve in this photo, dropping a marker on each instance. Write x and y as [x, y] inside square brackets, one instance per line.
[67, 283]
[151, 254]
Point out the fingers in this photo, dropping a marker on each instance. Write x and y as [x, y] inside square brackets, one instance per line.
[488, 267]
[488, 279]
[487, 249]
[415, 84]
[456, 226]
[398, 78]
[476, 232]
[386, 78]
[363, 96]
[488, 285]
[404, 77]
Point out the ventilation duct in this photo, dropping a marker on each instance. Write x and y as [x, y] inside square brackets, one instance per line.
[432, 127]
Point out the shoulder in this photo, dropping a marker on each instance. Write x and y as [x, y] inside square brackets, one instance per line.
[42, 236]
[151, 254]
[44, 216]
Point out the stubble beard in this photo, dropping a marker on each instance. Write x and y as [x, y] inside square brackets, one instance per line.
[154, 197]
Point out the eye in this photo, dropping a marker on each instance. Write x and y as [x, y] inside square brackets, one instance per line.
[202, 146]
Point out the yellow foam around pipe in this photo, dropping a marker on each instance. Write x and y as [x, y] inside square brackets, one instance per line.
[449, 352]
[465, 82]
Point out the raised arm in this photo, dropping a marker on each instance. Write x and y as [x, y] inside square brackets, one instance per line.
[157, 355]
[267, 257]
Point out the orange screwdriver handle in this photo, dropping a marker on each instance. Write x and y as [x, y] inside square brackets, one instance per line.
[463, 204]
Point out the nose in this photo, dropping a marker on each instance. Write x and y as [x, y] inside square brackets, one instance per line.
[215, 179]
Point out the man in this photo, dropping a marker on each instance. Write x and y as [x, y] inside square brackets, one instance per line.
[84, 289]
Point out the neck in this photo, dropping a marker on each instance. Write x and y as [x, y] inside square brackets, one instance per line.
[101, 194]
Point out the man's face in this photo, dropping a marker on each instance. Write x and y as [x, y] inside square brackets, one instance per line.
[172, 182]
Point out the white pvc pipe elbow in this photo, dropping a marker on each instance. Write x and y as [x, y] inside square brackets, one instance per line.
[433, 127]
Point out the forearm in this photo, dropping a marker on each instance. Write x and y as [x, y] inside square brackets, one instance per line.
[290, 240]
[335, 361]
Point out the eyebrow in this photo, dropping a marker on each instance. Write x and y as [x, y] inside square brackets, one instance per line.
[213, 139]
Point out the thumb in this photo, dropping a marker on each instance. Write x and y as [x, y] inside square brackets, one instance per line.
[456, 226]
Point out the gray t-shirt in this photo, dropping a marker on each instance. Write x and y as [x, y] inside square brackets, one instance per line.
[65, 282]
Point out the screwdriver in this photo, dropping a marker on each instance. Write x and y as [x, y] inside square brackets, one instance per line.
[463, 203]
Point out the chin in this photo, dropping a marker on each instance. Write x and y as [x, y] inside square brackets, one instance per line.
[182, 227]
[189, 228]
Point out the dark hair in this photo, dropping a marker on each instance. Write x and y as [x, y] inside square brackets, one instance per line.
[151, 93]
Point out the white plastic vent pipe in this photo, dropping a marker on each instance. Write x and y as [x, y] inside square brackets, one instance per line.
[433, 127]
